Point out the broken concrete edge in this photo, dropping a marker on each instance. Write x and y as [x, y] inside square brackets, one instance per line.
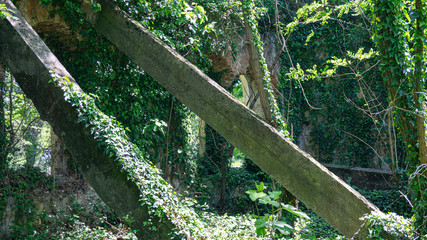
[319, 189]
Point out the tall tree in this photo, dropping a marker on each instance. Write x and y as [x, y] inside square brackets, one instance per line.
[419, 77]
[399, 28]
[420, 182]
[3, 143]
[402, 62]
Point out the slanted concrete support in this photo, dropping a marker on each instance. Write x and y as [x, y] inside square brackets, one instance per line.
[309, 181]
[30, 61]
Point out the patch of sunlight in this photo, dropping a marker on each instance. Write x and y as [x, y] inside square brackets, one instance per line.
[236, 163]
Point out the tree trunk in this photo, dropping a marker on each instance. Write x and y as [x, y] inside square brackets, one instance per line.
[419, 184]
[59, 157]
[11, 129]
[3, 140]
[226, 154]
[30, 137]
[418, 78]
[218, 154]
[202, 137]
[407, 105]
[224, 168]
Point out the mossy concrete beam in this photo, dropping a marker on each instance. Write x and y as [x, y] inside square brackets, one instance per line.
[319, 189]
[30, 62]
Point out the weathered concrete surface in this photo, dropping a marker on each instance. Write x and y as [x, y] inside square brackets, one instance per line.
[364, 178]
[42, 20]
[308, 180]
[30, 60]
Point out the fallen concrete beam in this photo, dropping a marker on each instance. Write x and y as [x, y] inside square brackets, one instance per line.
[31, 63]
[308, 180]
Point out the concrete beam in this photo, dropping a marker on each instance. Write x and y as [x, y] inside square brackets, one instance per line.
[30, 62]
[308, 180]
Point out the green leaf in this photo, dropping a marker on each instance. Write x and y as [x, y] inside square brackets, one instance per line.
[283, 225]
[275, 204]
[260, 223]
[260, 187]
[294, 211]
[254, 195]
[261, 232]
[407, 16]
[284, 231]
[265, 199]
[275, 194]
[260, 226]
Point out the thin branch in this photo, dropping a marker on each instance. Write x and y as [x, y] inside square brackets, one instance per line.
[373, 149]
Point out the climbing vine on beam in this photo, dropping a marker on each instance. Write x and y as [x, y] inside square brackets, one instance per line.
[155, 193]
[249, 16]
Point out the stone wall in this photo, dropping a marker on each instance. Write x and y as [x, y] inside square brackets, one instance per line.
[53, 201]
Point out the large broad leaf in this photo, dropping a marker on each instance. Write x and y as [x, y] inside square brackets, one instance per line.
[265, 200]
[261, 232]
[274, 195]
[283, 227]
[260, 226]
[260, 223]
[275, 204]
[280, 224]
[254, 195]
[294, 211]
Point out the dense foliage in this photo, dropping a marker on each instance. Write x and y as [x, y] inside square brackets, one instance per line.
[337, 82]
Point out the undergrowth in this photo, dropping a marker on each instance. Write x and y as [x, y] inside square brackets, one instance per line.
[20, 187]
